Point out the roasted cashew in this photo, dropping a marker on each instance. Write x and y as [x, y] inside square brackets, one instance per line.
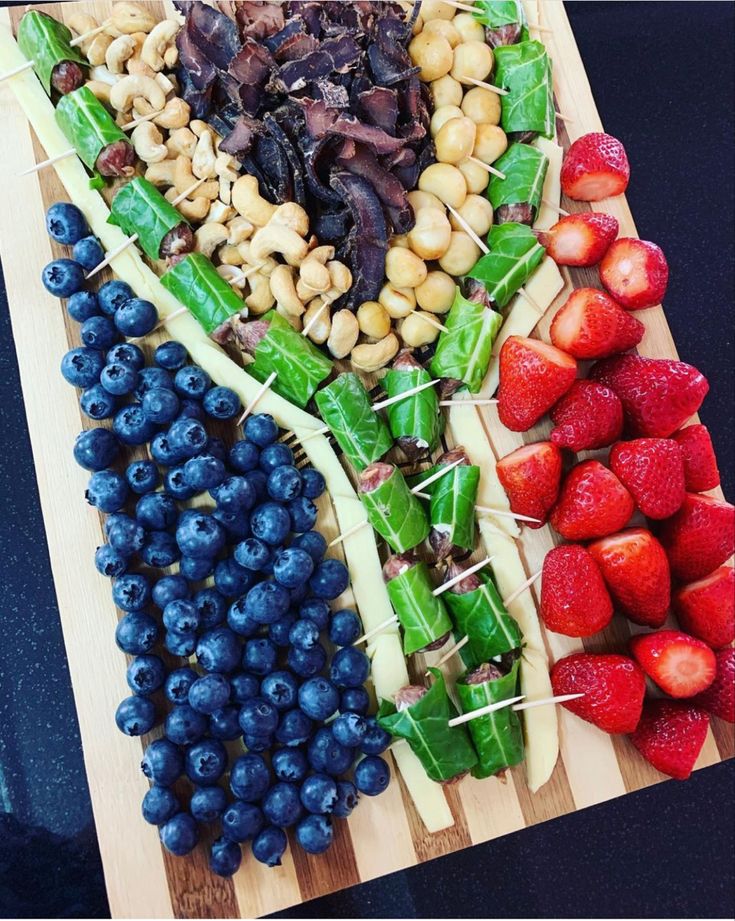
[165, 82]
[313, 272]
[175, 114]
[139, 68]
[131, 87]
[225, 191]
[220, 213]
[232, 275]
[265, 266]
[119, 50]
[202, 163]
[260, 300]
[100, 89]
[240, 230]
[102, 74]
[97, 50]
[193, 209]
[341, 276]
[181, 141]
[148, 143]
[320, 329]
[370, 356]
[171, 56]
[82, 23]
[277, 239]
[344, 335]
[283, 289]
[230, 255]
[225, 166]
[209, 236]
[249, 203]
[184, 179]
[293, 216]
[295, 322]
[157, 41]
[129, 17]
[162, 174]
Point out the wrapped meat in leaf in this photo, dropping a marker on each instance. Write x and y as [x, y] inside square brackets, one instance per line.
[422, 615]
[395, 513]
[463, 351]
[361, 432]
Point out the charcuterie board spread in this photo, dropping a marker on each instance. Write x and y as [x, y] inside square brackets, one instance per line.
[412, 534]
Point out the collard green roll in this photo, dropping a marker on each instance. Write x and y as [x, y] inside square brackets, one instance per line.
[98, 141]
[463, 351]
[452, 503]
[445, 752]
[518, 196]
[525, 71]
[140, 208]
[46, 41]
[481, 616]
[498, 736]
[360, 431]
[504, 21]
[422, 615]
[395, 513]
[514, 254]
[415, 422]
[194, 281]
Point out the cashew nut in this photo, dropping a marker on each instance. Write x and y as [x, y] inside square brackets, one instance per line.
[220, 213]
[129, 17]
[175, 113]
[198, 125]
[225, 191]
[209, 236]
[171, 56]
[226, 167]
[148, 143]
[276, 239]
[82, 23]
[320, 329]
[139, 38]
[260, 300]
[203, 161]
[100, 89]
[156, 43]
[184, 179]
[314, 273]
[240, 230]
[129, 88]
[292, 215]
[232, 275]
[118, 51]
[139, 68]
[283, 289]
[370, 356]
[249, 203]
[97, 49]
[265, 266]
[166, 83]
[373, 319]
[230, 255]
[193, 209]
[341, 276]
[181, 141]
[344, 335]
[161, 174]
[294, 322]
[101, 73]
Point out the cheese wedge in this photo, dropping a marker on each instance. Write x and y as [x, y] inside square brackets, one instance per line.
[547, 216]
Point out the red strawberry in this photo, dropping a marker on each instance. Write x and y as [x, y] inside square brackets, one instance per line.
[533, 375]
[706, 608]
[719, 698]
[652, 470]
[595, 167]
[588, 416]
[574, 600]
[700, 463]
[670, 736]
[635, 272]
[681, 665]
[580, 239]
[699, 537]
[636, 571]
[658, 394]
[593, 503]
[530, 475]
[592, 325]
[613, 688]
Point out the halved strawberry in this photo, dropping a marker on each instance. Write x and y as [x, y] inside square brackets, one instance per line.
[595, 167]
[613, 688]
[706, 608]
[700, 463]
[719, 698]
[635, 272]
[592, 503]
[699, 537]
[580, 239]
[681, 665]
[574, 600]
[591, 325]
[530, 475]
[588, 416]
[652, 470]
[533, 375]
[670, 736]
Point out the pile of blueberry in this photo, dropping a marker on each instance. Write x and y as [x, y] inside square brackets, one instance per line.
[257, 628]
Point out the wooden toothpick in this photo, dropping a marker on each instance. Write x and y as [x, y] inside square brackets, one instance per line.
[16, 70]
[461, 576]
[261, 390]
[308, 327]
[402, 396]
[85, 35]
[557, 208]
[503, 513]
[44, 163]
[460, 644]
[521, 588]
[442, 471]
[484, 711]
[112, 255]
[468, 230]
[487, 167]
[140, 119]
[187, 192]
[378, 629]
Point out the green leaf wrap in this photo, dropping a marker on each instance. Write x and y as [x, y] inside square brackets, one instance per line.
[525, 171]
[423, 616]
[87, 124]
[396, 514]
[498, 737]
[481, 616]
[514, 254]
[463, 351]
[140, 208]
[45, 41]
[525, 71]
[417, 416]
[452, 504]
[194, 281]
[299, 364]
[361, 432]
[443, 751]
[497, 13]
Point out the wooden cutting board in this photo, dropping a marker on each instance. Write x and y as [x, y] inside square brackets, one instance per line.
[383, 834]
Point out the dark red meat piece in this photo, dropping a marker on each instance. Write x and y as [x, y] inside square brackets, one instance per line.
[117, 159]
[67, 76]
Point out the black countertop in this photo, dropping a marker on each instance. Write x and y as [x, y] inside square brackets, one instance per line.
[662, 75]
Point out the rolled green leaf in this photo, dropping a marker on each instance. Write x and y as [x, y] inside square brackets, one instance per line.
[463, 351]
[87, 124]
[481, 616]
[452, 506]
[514, 254]
[498, 736]
[497, 13]
[140, 208]
[525, 71]
[361, 432]
[525, 171]
[194, 281]
[422, 615]
[299, 365]
[417, 417]
[45, 41]
[443, 751]
[395, 513]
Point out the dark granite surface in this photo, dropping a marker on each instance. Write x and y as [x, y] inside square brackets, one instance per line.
[662, 74]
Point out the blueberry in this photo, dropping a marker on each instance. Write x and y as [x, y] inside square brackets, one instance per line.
[188, 436]
[65, 223]
[119, 378]
[349, 729]
[166, 454]
[350, 667]
[110, 562]
[273, 456]
[167, 588]
[170, 355]
[82, 367]
[218, 650]
[131, 425]
[124, 533]
[63, 277]
[126, 353]
[240, 619]
[313, 483]
[292, 567]
[249, 777]
[221, 403]
[199, 534]
[290, 764]
[319, 793]
[354, 700]
[252, 554]
[196, 568]
[205, 761]
[150, 378]
[82, 305]
[113, 294]
[266, 602]
[107, 491]
[98, 403]
[236, 524]
[281, 689]
[294, 728]
[98, 333]
[258, 717]
[307, 662]
[261, 429]
[376, 739]
[135, 716]
[180, 644]
[244, 687]
[176, 485]
[184, 726]
[318, 698]
[224, 723]
[259, 656]
[216, 447]
[136, 633]
[190, 409]
[209, 693]
[269, 846]
[160, 550]
[181, 616]
[204, 472]
[207, 803]
[313, 543]
[304, 634]
[88, 252]
[136, 317]
[372, 775]
[131, 592]
[225, 857]
[259, 482]
[281, 805]
[244, 456]
[234, 494]
[241, 821]
[178, 683]
[159, 805]
[329, 580]
[162, 762]
[284, 483]
[179, 835]
[315, 834]
[271, 523]
[161, 406]
[344, 628]
[346, 799]
[142, 476]
[316, 610]
[192, 381]
[145, 674]
[211, 607]
[327, 755]
[156, 511]
[278, 631]
[303, 514]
